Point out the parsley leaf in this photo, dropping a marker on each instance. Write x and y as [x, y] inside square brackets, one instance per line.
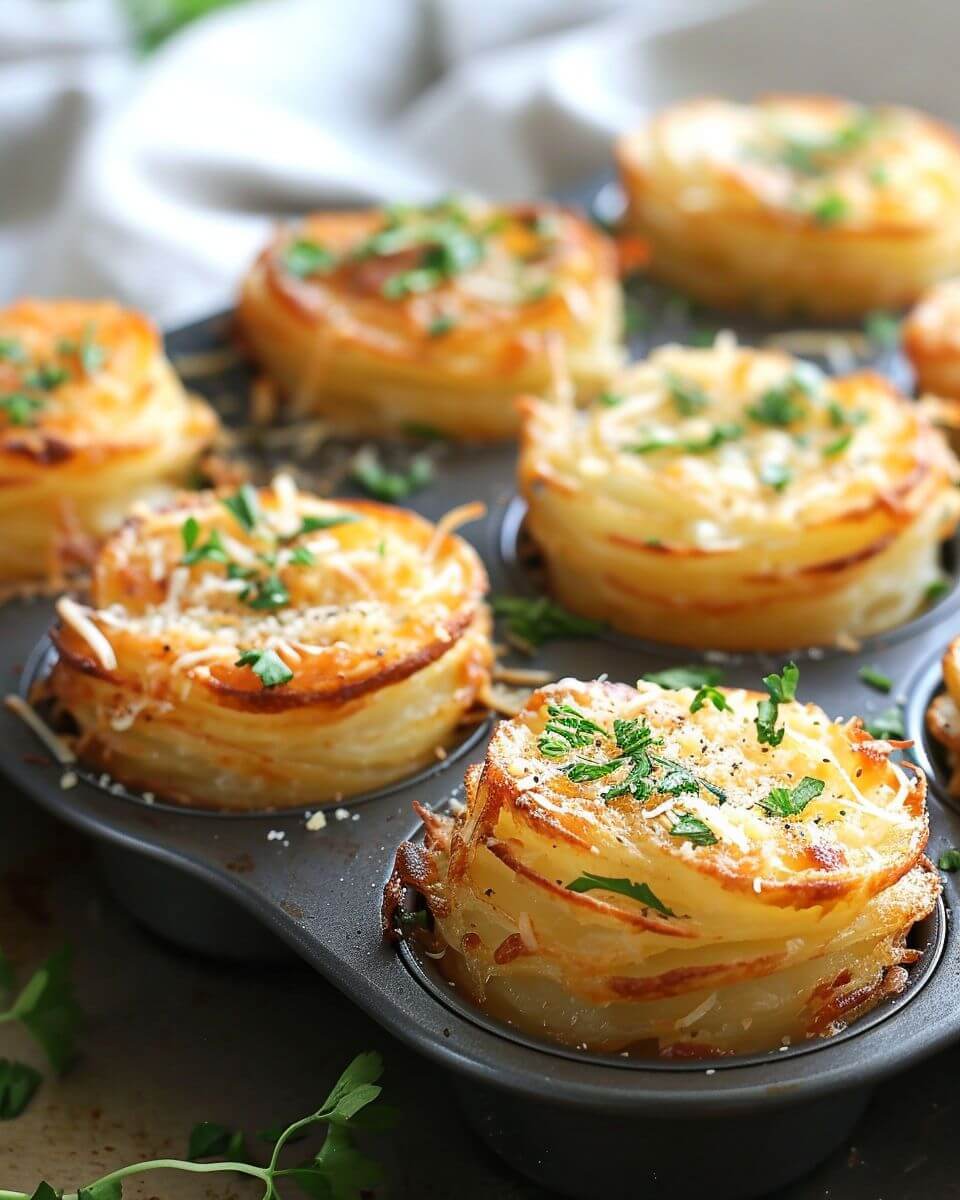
[691, 676]
[210, 1140]
[782, 405]
[312, 524]
[305, 257]
[441, 324]
[267, 665]
[245, 506]
[729, 431]
[711, 694]
[21, 408]
[789, 802]
[692, 829]
[588, 882]
[876, 679]
[949, 860]
[370, 473]
[609, 399]
[829, 209]
[887, 725]
[688, 396]
[832, 449]
[12, 351]
[883, 329]
[537, 619]
[47, 1008]
[302, 557]
[18, 1082]
[936, 591]
[776, 475]
[782, 689]
[213, 550]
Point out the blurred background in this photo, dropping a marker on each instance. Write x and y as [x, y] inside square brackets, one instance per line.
[147, 145]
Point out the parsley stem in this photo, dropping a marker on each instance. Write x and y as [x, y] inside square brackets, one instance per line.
[164, 1164]
[287, 1134]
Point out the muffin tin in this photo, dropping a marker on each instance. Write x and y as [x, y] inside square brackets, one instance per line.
[580, 1124]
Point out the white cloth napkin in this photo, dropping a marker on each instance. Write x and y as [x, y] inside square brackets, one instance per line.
[156, 180]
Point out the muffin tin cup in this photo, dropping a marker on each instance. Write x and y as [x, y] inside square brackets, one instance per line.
[579, 1124]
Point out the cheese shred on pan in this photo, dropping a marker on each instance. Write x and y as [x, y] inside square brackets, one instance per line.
[739, 499]
[289, 651]
[432, 318]
[631, 876]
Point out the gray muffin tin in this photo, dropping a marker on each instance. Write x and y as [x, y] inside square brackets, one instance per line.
[580, 1124]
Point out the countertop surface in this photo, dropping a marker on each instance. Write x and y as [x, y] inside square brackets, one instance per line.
[171, 1039]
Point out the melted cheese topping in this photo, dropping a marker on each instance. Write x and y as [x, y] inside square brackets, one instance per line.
[760, 926]
[727, 479]
[433, 316]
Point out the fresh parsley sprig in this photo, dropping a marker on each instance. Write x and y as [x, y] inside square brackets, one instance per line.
[45, 1006]
[337, 1172]
[566, 730]
[712, 695]
[782, 689]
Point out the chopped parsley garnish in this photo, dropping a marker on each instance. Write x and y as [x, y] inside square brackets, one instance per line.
[936, 590]
[90, 353]
[537, 620]
[703, 338]
[370, 473]
[711, 694]
[876, 679]
[302, 557]
[782, 405]
[829, 209]
[815, 155]
[446, 244]
[609, 399]
[441, 324]
[782, 689]
[588, 882]
[20, 407]
[845, 418]
[842, 443]
[312, 524]
[566, 730]
[12, 351]
[45, 378]
[265, 593]
[267, 665]
[789, 802]
[692, 829]
[690, 676]
[727, 432]
[775, 475]
[569, 730]
[245, 506]
[949, 860]
[883, 329]
[887, 725]
[636, 319]
[304, 257]
[212, 550]
[688, 397]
